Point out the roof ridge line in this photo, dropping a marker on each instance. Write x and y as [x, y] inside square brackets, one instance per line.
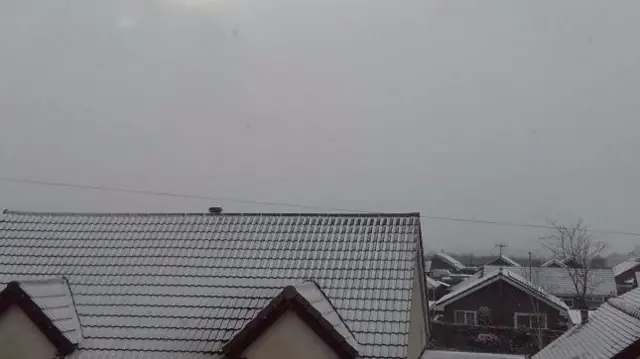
[281, 214]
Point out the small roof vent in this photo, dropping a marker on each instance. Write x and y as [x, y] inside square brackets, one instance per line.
[215, 210]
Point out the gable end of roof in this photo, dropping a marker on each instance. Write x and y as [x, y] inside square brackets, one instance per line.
[13, 294]
[289, 299]
[516, 281]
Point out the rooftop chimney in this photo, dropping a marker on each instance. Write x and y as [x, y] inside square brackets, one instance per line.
[584, 316]
[215, 210]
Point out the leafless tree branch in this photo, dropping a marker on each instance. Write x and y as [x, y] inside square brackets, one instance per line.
[575, 242]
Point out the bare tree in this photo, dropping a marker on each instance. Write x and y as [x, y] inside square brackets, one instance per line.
[575, 242]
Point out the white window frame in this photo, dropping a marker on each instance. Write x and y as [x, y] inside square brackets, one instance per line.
[542, 315]
[465, 312]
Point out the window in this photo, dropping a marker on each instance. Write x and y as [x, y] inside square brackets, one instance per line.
[530, 320]
[468, 317]
[569, 302]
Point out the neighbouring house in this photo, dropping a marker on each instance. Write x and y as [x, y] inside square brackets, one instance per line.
[611, 332]
[443, 261]
[500, 312]
[215, 285]
[558, 281]
[436, 289]
[503, 299]
[625, 274]
[561, 263]
[503, 261]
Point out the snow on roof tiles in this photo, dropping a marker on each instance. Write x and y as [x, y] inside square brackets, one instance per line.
[54, 298]
[558, 280]
[449, 259]
[610, 329]
[149, 284]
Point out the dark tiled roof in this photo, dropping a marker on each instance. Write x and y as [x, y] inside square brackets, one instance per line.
[611, 329]
[149, 284]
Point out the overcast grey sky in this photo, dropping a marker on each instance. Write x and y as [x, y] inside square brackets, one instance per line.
[503, 110]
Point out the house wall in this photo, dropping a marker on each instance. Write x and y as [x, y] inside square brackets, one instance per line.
[438, 263]
[20, 338]
[289, 337]
[503, 300]
[418, 331]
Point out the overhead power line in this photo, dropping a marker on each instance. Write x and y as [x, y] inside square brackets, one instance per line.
[284, 204]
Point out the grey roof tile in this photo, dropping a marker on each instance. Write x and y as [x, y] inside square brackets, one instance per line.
[146, 285]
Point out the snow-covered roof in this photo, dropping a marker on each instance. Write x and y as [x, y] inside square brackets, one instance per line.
[432, 283]
[452, 261]
[557, 280]
[505, 259]
[179, 285]
[312, 305]
[472, 285]
[611, 329]
[320, 302]
[553, 262]
[626, 266]
[54, 298]
[443, 354]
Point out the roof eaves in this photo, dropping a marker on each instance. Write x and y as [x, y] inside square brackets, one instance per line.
[13, 294]
[289, 299]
